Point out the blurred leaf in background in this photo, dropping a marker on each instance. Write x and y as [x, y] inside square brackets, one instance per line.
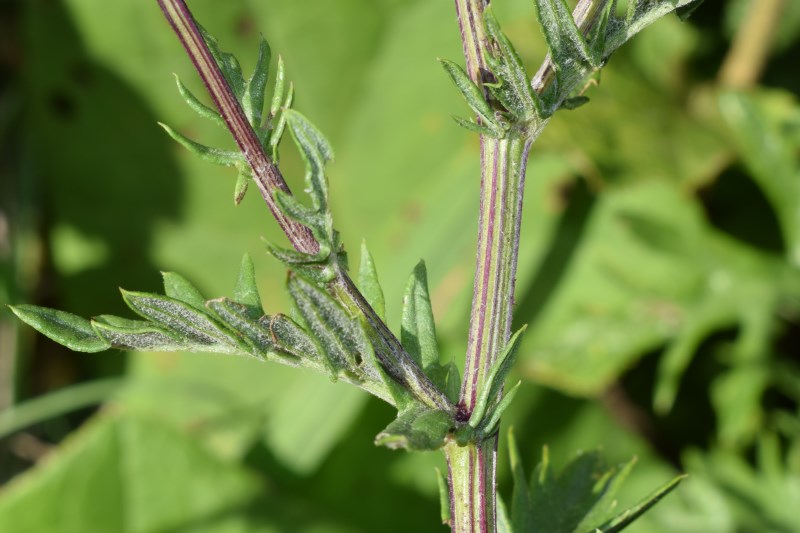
[659, 269]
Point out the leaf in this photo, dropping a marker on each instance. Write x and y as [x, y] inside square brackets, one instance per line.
[316, 152]
[416, 428]
[217, 156]
[472, 94]
[625, 519]
[188, 322]
[492, 422]
[178, 287]
[495, 379]
[197, 106]
[515, 91]
[246, 290]
[290, 337]
[368, 282]
[227, 63]
[239, 318]
[74, 332]
[242, 183]
[444, 497]
[339, 336]
[137, 335]
[471, 125]
[568, 47]
[418, 333]
[253, 98]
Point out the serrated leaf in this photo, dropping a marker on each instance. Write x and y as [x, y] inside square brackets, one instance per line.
[178, 287]
[253, 98]
[418, 333]
[568, 47]
[246, 289]
[417, 428]
[217, 156]
[191, 324]
[137, 335]
[471, 93]
[196, 105]
[368, 282]
[339, 336]
[72, 331]
[495, 378]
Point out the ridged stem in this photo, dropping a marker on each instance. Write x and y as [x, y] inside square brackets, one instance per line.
[266, 175]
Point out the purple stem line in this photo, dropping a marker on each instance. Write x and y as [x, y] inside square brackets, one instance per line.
[266, 175]
[269, 179]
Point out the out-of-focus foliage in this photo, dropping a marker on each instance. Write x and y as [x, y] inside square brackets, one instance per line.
[659, 268]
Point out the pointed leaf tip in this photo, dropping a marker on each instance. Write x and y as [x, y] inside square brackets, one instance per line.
[368, 282]
[72, 331]
[418, 333]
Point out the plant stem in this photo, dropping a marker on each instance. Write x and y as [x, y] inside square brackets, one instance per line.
[269, 179]
[266, 175]
[472, 468]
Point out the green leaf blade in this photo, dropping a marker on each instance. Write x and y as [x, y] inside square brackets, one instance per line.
[72, 331]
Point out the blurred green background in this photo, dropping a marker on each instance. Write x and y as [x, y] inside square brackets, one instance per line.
[659, 267]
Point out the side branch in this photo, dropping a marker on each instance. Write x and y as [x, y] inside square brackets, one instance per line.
[266, 175]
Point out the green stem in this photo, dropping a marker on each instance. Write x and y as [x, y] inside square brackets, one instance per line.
[472, 468]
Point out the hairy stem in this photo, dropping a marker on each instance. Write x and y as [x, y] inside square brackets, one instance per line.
[503, 162]
[266, 175]
[269, 179]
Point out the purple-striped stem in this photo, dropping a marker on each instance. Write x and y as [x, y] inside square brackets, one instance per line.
[472, 468]
[269, 179]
